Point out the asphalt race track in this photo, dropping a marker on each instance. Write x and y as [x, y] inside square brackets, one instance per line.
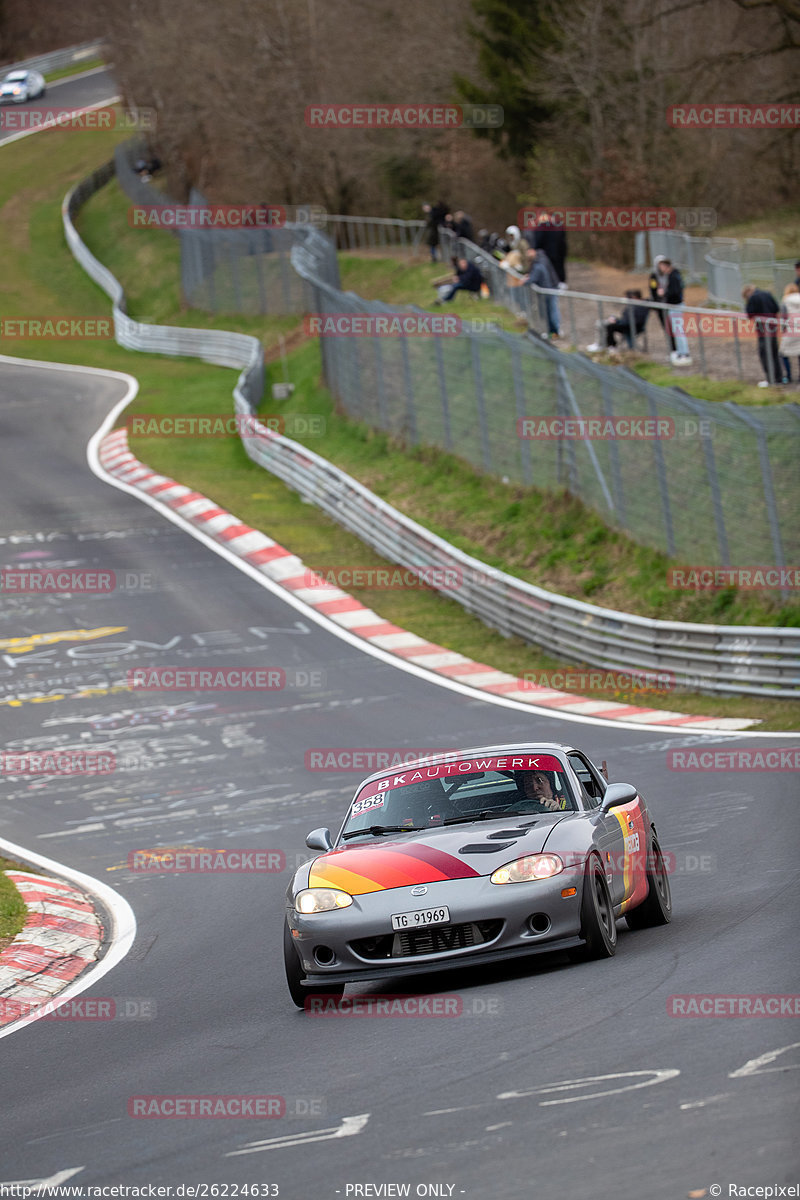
[81, 91]
[557, 1080]
[207, 956]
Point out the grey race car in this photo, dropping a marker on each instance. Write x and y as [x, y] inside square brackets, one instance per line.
[473, 857]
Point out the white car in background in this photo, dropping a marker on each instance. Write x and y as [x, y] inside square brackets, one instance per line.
[19, 86]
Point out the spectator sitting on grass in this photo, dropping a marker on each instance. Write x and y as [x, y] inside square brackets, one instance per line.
[630, 322]
[466, 279]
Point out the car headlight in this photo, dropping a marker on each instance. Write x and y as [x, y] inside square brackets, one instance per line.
[314, 900]
[532, 866]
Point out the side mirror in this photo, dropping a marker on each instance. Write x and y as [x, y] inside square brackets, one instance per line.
[319, 839]
[618, 794]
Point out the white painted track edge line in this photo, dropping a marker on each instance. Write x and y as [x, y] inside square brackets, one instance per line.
[360, 643]
[93, 458]
[120, 936]
[75, 112]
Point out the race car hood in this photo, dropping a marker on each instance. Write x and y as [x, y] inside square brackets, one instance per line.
[452, 852]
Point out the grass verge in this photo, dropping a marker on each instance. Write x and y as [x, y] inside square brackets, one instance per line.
[13, 910]
[77, 68]
[483, 516]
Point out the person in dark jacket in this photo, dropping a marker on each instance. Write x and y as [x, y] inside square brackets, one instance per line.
[462, 226]
[764, 309]
[551, 238]
[630, 322]
[434, 216]
[666, 285]
[541, 273]
[466, 279]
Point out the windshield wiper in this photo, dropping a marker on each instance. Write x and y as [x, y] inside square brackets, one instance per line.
[487, 814]
[377, 830]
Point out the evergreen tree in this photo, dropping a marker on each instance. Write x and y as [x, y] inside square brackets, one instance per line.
[514, 37]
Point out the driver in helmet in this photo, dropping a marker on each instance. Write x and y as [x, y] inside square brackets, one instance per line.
[541, 787]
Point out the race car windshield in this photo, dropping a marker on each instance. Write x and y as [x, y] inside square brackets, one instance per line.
[451, 799]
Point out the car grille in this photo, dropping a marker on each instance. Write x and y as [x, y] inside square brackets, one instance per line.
[438, 939]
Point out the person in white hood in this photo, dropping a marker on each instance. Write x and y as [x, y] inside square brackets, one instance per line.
[515, 258]
[790, 323]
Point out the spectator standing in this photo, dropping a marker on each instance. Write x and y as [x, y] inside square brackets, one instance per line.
[552, 238]
[462, 226]
[434, 216]
[762, 306]
[541, 273]
[790, 337]
[517, 254]
[654, 283]
[669, 290]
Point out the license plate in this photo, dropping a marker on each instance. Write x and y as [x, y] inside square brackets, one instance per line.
[420, 917]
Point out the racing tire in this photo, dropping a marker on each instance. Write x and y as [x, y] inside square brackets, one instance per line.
[295, 975]
[598, 925]
[656, 908]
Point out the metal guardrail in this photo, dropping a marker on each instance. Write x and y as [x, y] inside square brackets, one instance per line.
[371, 233]
[57, 60]
[528, 301]
[721, 496]
[725, 659]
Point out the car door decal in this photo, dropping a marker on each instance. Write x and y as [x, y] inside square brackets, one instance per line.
[634, 863]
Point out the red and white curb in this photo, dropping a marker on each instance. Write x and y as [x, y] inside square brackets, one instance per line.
[62, 936]
[289, 572]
